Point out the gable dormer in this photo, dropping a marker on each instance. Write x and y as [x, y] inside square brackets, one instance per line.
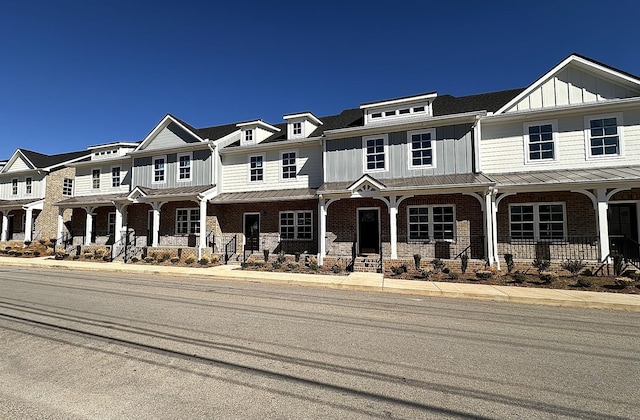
[393, 110]
[254, 132]
[111, 150]
[301, 125]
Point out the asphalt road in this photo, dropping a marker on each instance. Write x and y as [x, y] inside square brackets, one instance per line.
[87, 345]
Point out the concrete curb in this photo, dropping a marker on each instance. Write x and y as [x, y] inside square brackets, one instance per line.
[369, 282]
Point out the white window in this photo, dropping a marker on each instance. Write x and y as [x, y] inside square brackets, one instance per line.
[158, 169]
[28, 183]
[603, 136]
[184, 167]
[540, 140]
[375, 150]
[14, 186]
[67, 187]
[297, 128]
[248, 135]
[427, 223]
[296, 225]
[187, 221]
[95, 179]
[421, 148]
[115, 176]
[111, 223]
[537, 221]
[256, 168]
[289, 169]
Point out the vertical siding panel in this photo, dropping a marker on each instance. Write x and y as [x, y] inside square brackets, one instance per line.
[548, 93]
[590, 87]
[536, 98]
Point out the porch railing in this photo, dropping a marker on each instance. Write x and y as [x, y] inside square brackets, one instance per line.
[585, 248]
[445, 249]
[230, 248]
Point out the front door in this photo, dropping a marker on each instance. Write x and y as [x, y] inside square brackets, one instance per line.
[623, 228]
[252, 231]
[368, 231]
[10, 228]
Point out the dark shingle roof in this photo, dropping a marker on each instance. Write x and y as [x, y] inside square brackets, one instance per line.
[491, 102]
[44, 161]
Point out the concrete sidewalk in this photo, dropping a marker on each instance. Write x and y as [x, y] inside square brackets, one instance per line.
[359, 281]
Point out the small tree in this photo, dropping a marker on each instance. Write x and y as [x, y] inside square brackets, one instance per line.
[573, 266]
[416, 261]
[508, 258]
[464, 262]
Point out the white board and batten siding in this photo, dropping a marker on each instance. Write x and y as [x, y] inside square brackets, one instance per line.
[169, 137]
[37, 187]
[503, 145]
[573, 86]
[200, 170]
[84, 179]
[235, 170]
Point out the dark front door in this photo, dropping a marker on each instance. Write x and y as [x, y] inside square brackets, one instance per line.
[10, 228]
[623, 229]
[150, 229]
[252, 231]
[368, 231]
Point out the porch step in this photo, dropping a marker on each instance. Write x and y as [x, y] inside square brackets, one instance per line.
[368, 264]
[234, 259]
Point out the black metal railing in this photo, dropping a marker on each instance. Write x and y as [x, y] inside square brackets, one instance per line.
[627, 248]
[444, 249]
[296, 246]
[569, 248]
[230, 248]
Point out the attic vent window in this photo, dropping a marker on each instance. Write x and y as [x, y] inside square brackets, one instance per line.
[376, 115]
[418, 109]
[390, 113]
[297, 128]
[404, 111]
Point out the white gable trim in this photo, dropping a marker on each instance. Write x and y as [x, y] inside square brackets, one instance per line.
[571, 59]
[366, 179]
[164, 123]
[13, 158]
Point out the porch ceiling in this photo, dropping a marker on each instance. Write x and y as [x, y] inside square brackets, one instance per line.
[572, 177]
[269, 195]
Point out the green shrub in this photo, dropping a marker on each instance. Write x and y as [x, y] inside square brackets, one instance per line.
[313, 263]
[401, 269]
[203, 261]
[623, 282]
[519, 277]
[438, 265]
[416, 260]
[587, 273]
[548, 277]
[484, 274]
[464, 262]
[190, 260]
[541, 264]
[175, 260]
[453, 276]
[276, 265]
[149, 260]
[281, 257]
[573, 266]
[582, 282]
[635, 276]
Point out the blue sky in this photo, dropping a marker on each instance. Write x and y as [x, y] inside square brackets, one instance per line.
[80, 73]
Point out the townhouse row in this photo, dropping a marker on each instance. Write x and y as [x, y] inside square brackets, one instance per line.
[548, 171]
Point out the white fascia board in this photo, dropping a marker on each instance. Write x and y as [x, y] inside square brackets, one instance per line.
[118, 159]
[571, 59]
[227, 140]
[209, 194]
[399, 101]
[598, 107]
[119, 144]
[258, 123]
[285, 144]
[186, 148]
[135, 194]
[304, 115]
[36, 205]
[12, 159]
[168, 119]
[367, 178]
[404, 125]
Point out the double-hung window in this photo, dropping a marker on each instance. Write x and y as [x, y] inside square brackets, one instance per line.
[297, 128]
[187, 221]
[111, 223]
[296, 225]
[67, 187]
[158, 169]
[421, 148]
[256, 168]
[540, 141]
[184, 167]
[28, 185]
[431, 223]
[14, 186]
[537, 221]
[115, 176]
[95, 179]
[375, 150]
[289, 165]
[603, 135]
[248, 135]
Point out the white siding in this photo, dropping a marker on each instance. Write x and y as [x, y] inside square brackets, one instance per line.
[235, 170]
[572, 85]
[37, 187]
[83, 184]
[503, 147]
[170, 136]
[18, 165]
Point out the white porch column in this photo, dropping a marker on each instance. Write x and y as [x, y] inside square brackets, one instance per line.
[60, 223]
[393, 226]
[117, 234]
[5, 226]
[494, 228]
[88, 229]
[322, 227]
[603, 222]
[489, 215]
[203, 227]
[28, 225]
[156, 224]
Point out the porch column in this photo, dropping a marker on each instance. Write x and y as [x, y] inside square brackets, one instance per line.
[203, 227]
[489, 217]
[5, 226]
[322, 227]
[156, 224]
[603, 222]
[117, 234]
[393, 226]
[88, 229]
[60, 223]
[28, 225]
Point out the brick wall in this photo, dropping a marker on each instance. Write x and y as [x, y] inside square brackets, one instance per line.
[47, 221]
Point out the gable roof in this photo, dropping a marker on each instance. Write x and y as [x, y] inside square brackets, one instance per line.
[41, 161]
[491, 102]
[164, 123]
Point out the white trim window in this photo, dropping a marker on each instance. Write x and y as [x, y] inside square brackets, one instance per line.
[289, 167]
[67, 187]
[537, 221]
[248, 136]
[603, 136]
[95, 179]
[187, 221]
[256, 168]
[28, 185]
[375, 153]
[540, 139]
[297, 128]
[296, 225]
[421, 149]
[14, 186]
[111, 223]
[115, 177]
[184, 167]
[159, 167]
[432, 222]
